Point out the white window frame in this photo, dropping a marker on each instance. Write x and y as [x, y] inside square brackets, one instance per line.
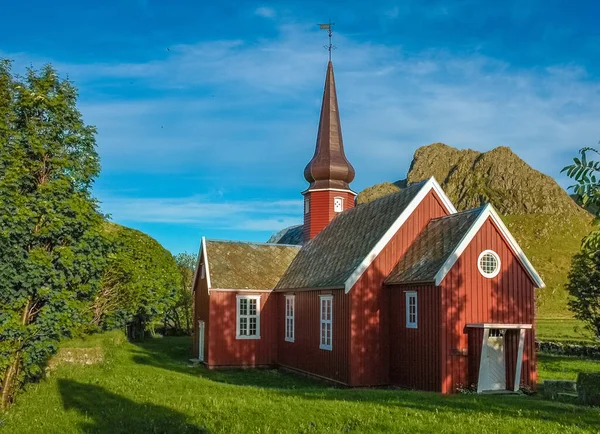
[306, 205]
[342, 204]
[238, 316]
[326, 323]
[290, 322]
[202, 271]
[412, 324]
[498, 268]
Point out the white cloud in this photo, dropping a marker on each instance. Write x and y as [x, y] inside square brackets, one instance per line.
[265, 12]
[205, 212]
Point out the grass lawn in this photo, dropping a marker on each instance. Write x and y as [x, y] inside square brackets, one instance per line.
[563, 330]
[150, 388]
[551, 367]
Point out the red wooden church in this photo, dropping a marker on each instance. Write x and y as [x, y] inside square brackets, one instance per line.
[401, 291]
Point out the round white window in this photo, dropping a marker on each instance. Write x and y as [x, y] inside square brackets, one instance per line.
[489, 263]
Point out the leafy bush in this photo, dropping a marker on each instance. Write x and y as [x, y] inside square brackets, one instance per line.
[588, 388]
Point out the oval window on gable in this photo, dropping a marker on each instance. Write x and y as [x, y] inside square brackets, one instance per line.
[489, 263]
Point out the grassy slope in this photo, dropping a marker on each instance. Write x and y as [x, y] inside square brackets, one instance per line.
[550, 242]
[563, 330]
[150, 388]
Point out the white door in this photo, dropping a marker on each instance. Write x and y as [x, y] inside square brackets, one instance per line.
[201, 341]
[494, 361]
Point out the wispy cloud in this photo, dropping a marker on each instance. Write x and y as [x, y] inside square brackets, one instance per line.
[202, 211]
[265, 12]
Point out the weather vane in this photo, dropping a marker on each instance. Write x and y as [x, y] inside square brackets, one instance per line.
[329, 27]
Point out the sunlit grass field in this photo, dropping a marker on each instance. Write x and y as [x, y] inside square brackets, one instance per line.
[152, 388]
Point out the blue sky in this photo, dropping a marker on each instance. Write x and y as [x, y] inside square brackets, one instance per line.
[207, 113]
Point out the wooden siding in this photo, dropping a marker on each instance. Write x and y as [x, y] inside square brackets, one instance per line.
[415, 353]
[369, 350]
[304, 353]
[201, 313]
[468, 297]
[321, 210]
[224, 348]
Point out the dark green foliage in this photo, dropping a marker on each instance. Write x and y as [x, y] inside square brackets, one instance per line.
[51, 243]
[178, 319]
[587, 189]
[584, 288]
[588, 388]
[139, 285]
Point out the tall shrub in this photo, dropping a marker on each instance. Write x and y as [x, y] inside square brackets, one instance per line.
[51, 245]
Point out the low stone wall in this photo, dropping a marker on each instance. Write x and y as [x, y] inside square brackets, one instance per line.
[564, 349]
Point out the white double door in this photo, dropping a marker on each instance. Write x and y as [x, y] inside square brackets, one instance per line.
[493, 372]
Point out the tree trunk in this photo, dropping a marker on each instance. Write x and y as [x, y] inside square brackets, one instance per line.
[8, 385]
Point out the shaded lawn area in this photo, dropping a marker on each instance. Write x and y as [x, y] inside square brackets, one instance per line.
[551, 367]
[150, 388]
[563, 330]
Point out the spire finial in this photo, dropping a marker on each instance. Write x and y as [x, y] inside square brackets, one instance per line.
[329, 27]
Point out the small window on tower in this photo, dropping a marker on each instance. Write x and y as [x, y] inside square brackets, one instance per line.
[338, 204]
[306, 205]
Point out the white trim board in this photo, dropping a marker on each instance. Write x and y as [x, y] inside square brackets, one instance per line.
[201, 254]
[489, 211]
[485, 325]
[431, 184]
[206, 269]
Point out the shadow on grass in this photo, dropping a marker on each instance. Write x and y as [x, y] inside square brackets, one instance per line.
[107, 412]
[173, 354]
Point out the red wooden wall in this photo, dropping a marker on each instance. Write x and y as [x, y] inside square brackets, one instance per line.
[224, 348]
[369, 349]
[415, 353]
[468, 297]
[321, 210]
[304, 353]
[201, 312]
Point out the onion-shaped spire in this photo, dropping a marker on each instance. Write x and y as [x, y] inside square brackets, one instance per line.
[329, 167]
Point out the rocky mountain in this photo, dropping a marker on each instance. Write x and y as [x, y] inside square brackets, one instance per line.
[544, 219]
[472, 178]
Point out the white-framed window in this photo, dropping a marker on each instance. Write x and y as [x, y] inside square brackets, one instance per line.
[248, 317]
[488, 264]
[338, 204]
[411, 310]
[326, 322]
[306, 205]
[202, 271]
[289, 318]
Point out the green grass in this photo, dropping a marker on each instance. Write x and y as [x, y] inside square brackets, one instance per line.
[563, 330]
[551, 367]
[150, 388]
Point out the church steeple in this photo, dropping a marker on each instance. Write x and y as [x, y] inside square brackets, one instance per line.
[329, 167]
[329, 172]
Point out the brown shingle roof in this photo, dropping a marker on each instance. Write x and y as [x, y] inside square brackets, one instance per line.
[241, 265]
[330, 258]
[426, 256]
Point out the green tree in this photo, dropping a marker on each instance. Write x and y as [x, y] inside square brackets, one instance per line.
[139, 284]
[584, 276]
[51, 245]
[584, 288]
[179, 317]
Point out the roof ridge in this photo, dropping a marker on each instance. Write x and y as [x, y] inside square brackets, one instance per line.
[257, 243]
[459, 213]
